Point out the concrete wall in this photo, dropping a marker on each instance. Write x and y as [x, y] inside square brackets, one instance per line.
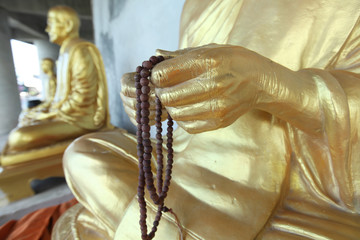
[128, 32]
[9, 94]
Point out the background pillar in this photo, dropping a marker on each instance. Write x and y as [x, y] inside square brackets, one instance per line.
[9, 94]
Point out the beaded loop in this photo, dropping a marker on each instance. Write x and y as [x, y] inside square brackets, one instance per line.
[145, 149]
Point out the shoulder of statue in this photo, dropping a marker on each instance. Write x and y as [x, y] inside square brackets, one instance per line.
[82, 45]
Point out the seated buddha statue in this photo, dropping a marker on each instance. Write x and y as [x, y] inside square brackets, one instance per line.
[80, 102]
[47, 66]
[265, 95]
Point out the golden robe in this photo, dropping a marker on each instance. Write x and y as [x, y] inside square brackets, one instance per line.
[267, 175]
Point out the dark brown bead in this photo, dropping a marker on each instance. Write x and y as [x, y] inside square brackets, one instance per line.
[138, 69]
[144, 97]
[169, 145]
[145, 105]
[147, 64]
[143, 211]
[146, 164]
[138, 92]
[154, 60]
[137, 77]
[140, 153]
[168, 172]
[145, 73]
[145, 113]
[144, 81]
[160, 58]
[145, 89]
[151, 235]
[145, 120]
[146, 142]
[147, 156]
[148, 149]
[140, 191]
[167, 178]
[137, 85]
[146, 135]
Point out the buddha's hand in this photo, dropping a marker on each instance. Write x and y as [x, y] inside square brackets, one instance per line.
[128, 96]
[209, 87]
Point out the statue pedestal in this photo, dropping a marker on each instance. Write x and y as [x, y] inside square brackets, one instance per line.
[15, 178]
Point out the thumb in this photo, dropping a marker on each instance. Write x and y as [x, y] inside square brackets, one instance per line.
[170, 54]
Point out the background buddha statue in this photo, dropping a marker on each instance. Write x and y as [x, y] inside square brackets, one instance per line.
[267, 145]
[47, 66]
[28, 115]
[80, 102]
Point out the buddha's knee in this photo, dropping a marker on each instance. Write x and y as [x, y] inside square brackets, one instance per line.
[73, 160]
[81, 159]
[19, 139]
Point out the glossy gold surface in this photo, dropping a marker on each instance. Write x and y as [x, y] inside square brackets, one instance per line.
[266, 97]
[79, 104]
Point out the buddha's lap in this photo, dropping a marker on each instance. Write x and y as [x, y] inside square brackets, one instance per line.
[109, 159]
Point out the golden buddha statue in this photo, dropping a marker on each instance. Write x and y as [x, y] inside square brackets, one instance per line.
[35, 147]
[80, 102]
[27, 115]
[47, 66]
[267, 145]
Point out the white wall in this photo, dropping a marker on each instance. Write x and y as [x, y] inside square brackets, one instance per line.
[128, 32]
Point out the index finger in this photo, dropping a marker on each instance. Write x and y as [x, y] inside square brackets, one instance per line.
[178, 69]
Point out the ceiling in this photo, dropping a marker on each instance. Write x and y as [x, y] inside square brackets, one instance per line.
[27, 19]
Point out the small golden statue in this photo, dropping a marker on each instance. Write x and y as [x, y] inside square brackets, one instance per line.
[27, 115]
[47, 66]
[79, 106]
[268, 140]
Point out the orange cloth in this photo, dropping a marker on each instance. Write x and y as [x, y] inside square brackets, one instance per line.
[36, 225]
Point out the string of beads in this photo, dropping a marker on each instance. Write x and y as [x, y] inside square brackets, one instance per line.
[144, 148]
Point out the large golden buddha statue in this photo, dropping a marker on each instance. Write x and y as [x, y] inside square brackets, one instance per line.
[80, 103]
[268, 140]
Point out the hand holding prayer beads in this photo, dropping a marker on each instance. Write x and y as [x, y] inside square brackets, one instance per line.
[144, 148]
